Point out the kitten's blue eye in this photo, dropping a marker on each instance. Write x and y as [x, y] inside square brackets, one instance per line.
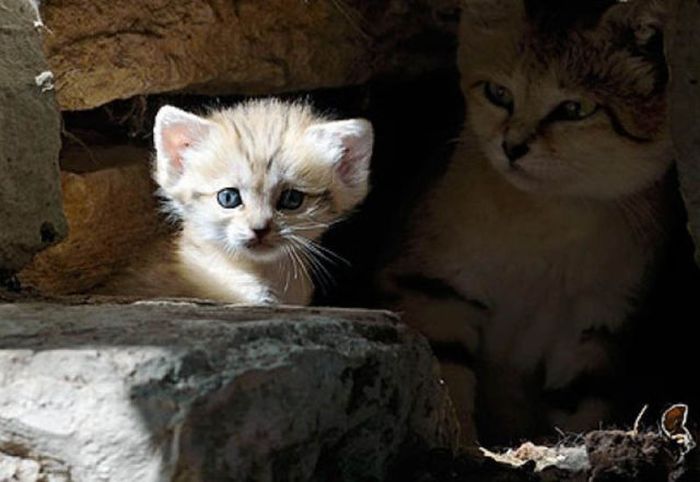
[290, 199]
[229, 198]
[498, 95]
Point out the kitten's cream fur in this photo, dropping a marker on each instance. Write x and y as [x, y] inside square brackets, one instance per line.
[538, 254]
[261, 148]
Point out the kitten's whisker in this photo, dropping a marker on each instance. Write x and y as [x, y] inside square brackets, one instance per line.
[332, 255]
[295, 262]
[307, 228]
[298, 260]
[228, 249]
[325, 253]
[315, 258]
[322, 276]
[285, 262]
[303, 267]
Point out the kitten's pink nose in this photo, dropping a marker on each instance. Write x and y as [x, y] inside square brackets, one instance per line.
[260, 233]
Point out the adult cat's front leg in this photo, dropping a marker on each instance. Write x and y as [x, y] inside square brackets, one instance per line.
[452, 325]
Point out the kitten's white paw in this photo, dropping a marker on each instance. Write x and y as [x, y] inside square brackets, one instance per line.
[265, 297]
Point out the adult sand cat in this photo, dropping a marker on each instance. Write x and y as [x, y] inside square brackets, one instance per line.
[253, 187]
[534, 245]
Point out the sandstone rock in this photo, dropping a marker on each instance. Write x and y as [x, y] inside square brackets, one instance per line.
[30, 203]
[113, 216]
[684, 58]
[131, 47]
[176, 391]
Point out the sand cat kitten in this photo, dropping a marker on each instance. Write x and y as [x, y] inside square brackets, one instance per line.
[533, 246]
[254, 187]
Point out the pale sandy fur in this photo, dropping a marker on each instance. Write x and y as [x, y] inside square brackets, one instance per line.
[181, 267]
[261, 148]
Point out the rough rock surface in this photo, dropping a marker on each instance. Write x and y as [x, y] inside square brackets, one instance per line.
[132, 47]
[30, 202]
[684, 57]
[113, 216]
[177, 391]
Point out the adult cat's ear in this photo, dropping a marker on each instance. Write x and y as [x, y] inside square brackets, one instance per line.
[174, 133]
[347, 145]
[640, 24]
[492, 14]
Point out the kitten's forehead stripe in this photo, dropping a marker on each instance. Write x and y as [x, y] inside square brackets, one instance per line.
[248, 141]
[272, 158]
[237, 132]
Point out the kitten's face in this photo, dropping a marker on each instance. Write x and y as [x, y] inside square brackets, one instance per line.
[580, 113]
[263, 179]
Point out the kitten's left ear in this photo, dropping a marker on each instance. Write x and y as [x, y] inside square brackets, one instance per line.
[346, 144]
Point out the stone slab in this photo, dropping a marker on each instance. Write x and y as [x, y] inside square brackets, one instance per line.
[154, 391]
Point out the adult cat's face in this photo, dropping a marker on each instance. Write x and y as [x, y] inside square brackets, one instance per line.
[262, 180]
[579, 111]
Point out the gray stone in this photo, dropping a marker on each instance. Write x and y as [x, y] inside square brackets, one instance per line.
[30, 202]
[156, 391]
[684, 58]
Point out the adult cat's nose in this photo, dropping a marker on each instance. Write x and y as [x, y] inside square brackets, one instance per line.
[515, 151]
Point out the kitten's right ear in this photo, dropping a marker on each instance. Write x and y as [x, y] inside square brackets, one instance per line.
[175, 132]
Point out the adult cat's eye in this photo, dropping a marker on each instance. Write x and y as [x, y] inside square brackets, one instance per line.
[574, 110]
[498, 95]
[229, 198]
[290, 199]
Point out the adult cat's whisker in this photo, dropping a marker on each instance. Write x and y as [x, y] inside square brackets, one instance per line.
[455, 141]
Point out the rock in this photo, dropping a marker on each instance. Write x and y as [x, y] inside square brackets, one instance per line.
[684, 59]
[133, 47]
[22, 469]
[156, 391]
[113, 216]
[30, 199]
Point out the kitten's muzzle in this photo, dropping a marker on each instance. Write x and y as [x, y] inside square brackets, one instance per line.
[515, 151]
[259, 236]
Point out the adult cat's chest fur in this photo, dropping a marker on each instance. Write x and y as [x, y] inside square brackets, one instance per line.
[546, 269]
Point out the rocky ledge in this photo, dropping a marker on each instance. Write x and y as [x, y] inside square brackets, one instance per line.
[153, 391]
